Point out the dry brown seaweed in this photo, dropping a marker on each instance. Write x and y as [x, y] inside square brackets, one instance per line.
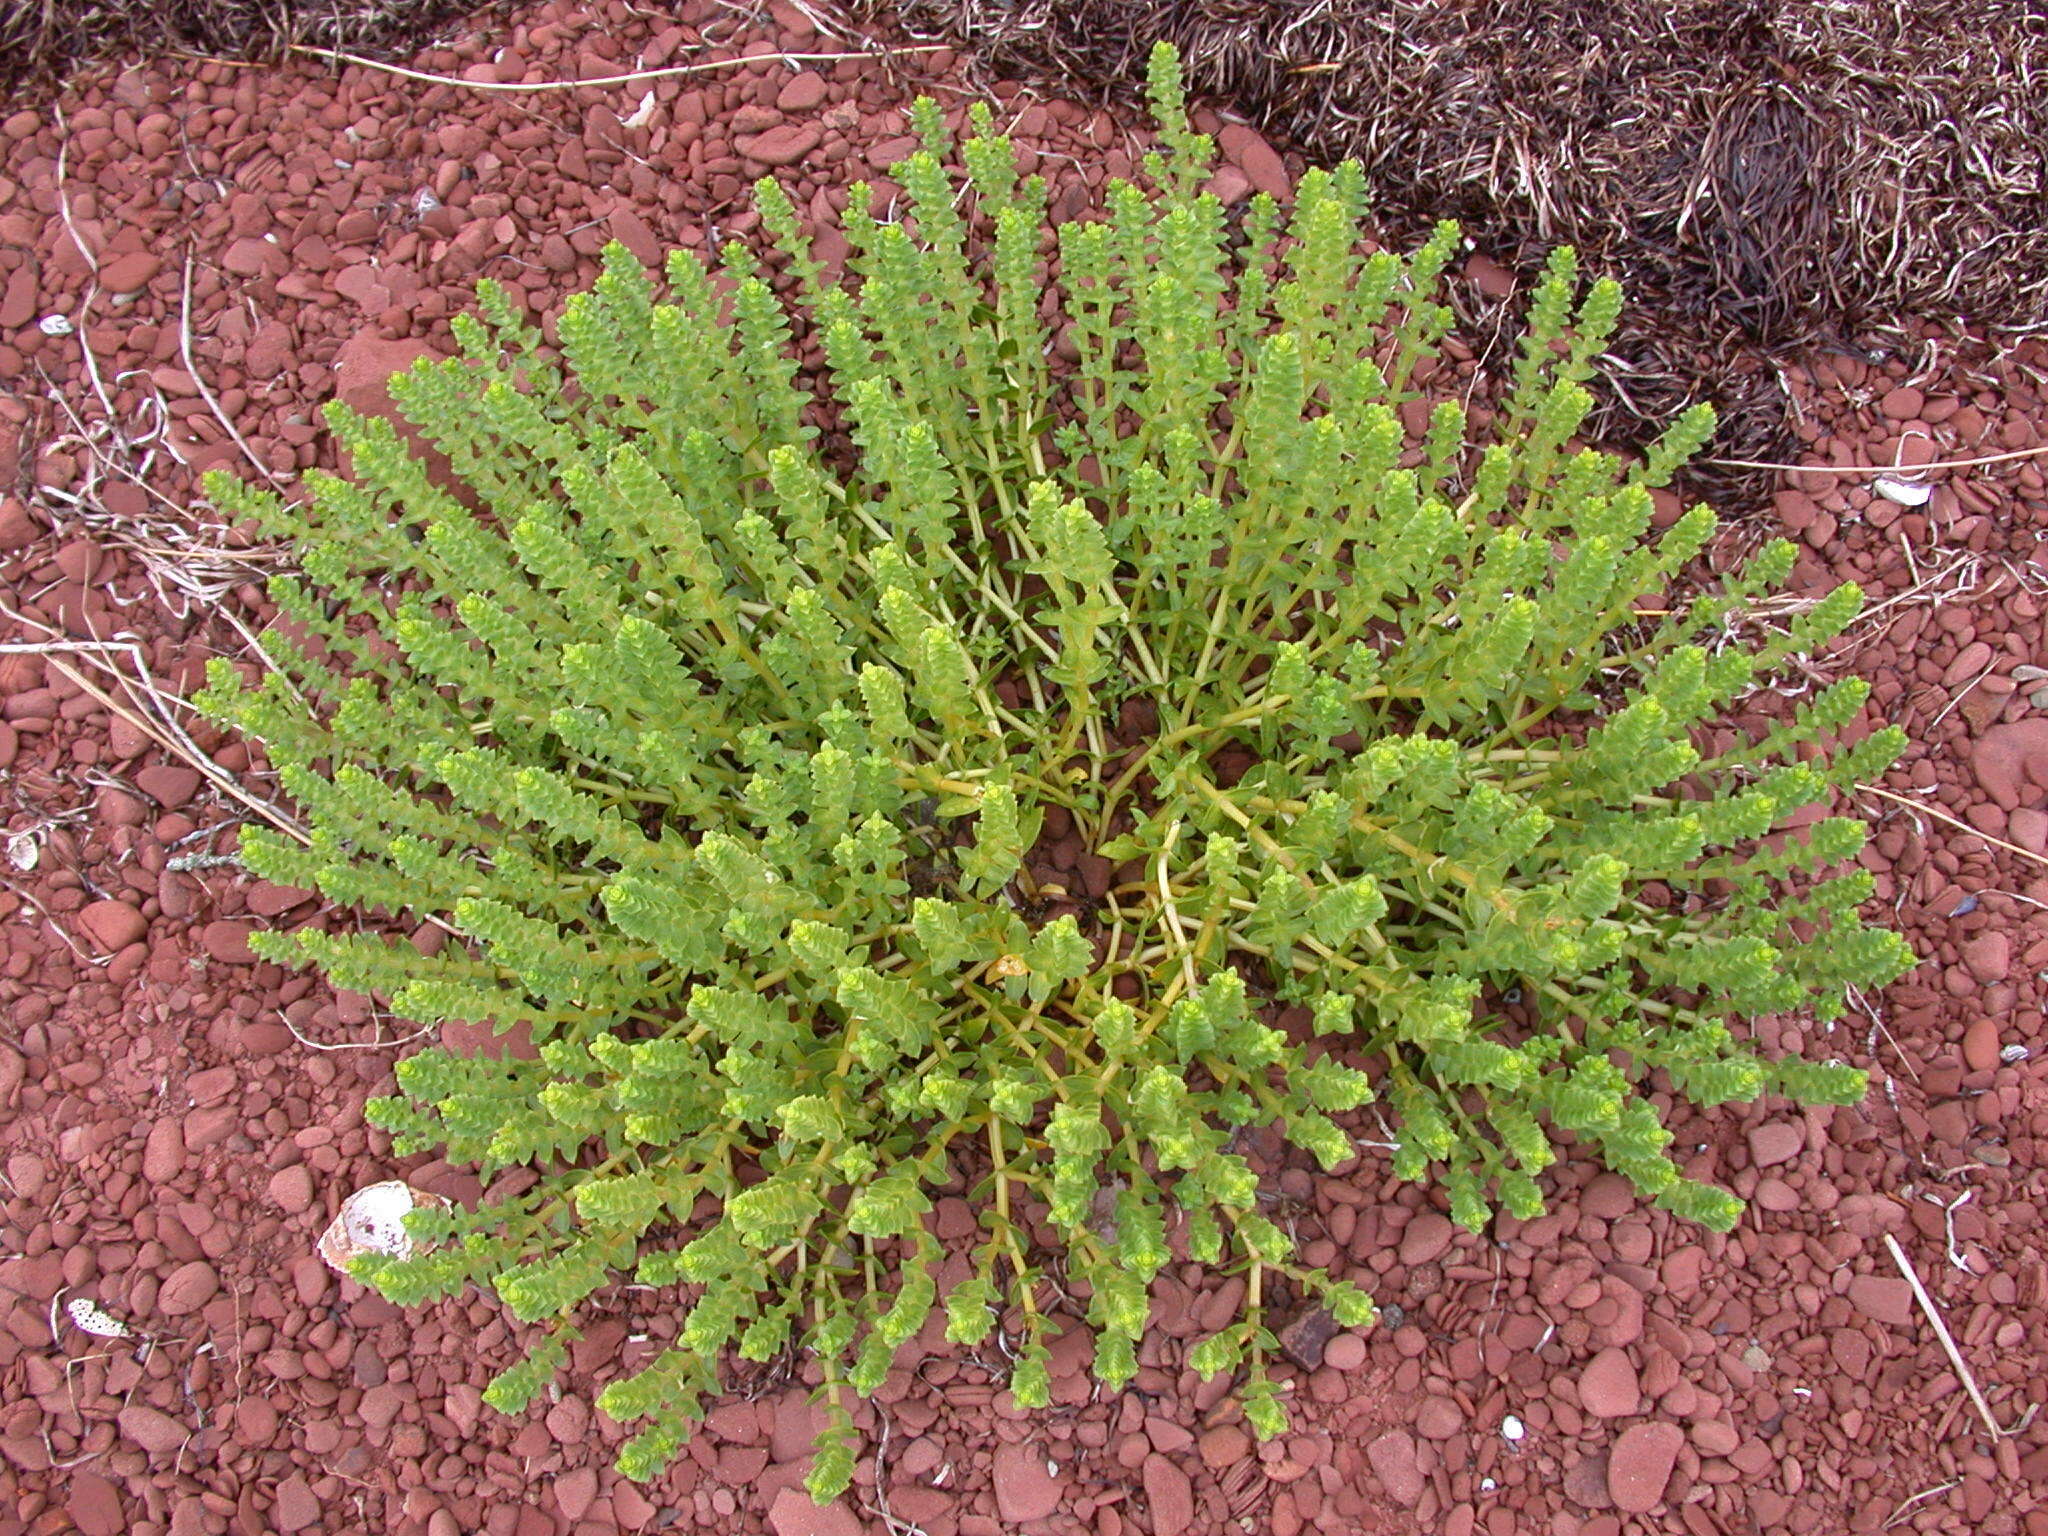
[42, 40]
[1764, 177]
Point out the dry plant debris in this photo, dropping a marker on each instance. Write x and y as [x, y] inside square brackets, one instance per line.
[1762, 177]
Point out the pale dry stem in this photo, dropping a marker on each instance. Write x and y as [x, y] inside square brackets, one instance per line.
[1933, 589]
[353, 1045]
[1953, 821]
[1882, 469]
[192, 368]
[1899, 1514]
[152, 711]
[1879, 1027]
[55, 926]
[92, 257]
[1948, 1343]
[184, 563]
[630, 78]
[1959, 695]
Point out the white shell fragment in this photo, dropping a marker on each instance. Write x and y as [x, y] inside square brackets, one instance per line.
[23, 851]
[54, 325]
[641, 113]
[1907, 493]
[1512, 1429]
[372, 1220]
[87, 1317]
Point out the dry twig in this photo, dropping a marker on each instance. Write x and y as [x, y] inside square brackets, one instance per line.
[92, 257]
[1948, 1343]
[1956, 822]
[632, 78]
[353, 1045]
[154, 718]
[1920, 1497]
[192, 368]
[1883, 469]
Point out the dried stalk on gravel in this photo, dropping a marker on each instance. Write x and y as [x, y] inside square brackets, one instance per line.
[353, 1045]
[50, 918]
[632, 78]
[1884, 469]
[1956, 698]
[151, 711]
[1922, 1496]
[1948, 1343]
[1959, 825]
[92, 257]
[198, 379]
[185, 563]
[40, 42]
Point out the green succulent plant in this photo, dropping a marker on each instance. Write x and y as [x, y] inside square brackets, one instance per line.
[722, 721]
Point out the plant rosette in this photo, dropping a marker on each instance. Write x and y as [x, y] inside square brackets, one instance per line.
[725, 726]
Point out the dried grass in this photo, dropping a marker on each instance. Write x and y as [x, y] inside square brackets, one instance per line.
[42, 40]
[1765, 176]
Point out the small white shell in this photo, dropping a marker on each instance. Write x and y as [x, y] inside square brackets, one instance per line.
[1513, 1429]
[641, 113]
[372, 1220]
[87, 1317]
[23, 851]
[54, 325]
[1907, 493]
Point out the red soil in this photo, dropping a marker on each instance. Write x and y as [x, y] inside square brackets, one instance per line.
[180, 1122]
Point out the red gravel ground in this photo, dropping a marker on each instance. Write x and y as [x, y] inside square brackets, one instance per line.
[180, 1123]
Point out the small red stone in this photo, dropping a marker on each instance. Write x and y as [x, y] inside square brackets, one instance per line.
[1640, 1465]
[785, 145]
[112, 925]
[1393, 1459]
[1608, 1387]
